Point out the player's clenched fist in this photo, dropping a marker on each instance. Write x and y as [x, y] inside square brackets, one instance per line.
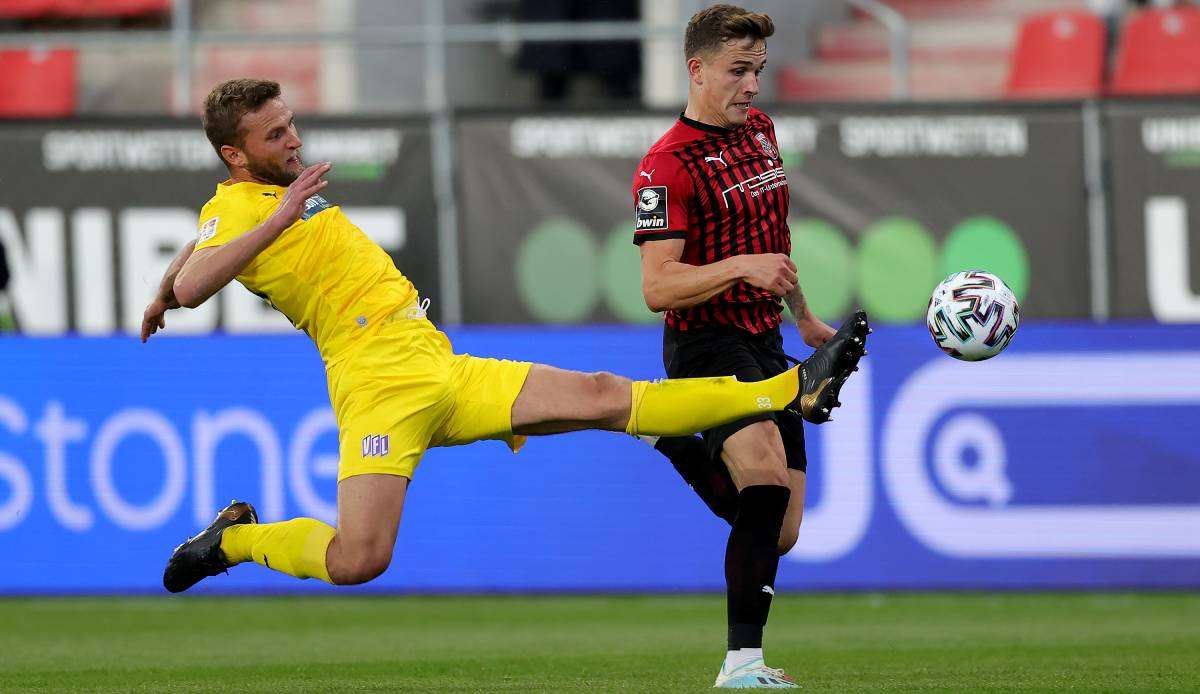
[774, 272]
[307, 184]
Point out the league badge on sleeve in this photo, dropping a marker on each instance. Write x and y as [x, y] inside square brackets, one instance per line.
[651, 208]
[208, 230]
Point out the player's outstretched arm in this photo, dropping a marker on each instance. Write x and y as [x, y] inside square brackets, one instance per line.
[210, 269]
[164, 299]
[669, 283]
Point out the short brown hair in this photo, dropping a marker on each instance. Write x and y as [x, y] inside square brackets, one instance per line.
[227, 103]
[710, 29]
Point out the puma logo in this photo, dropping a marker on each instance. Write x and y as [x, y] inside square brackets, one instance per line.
[648, 175]
[720, 157]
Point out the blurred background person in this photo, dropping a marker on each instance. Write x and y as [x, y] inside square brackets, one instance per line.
[559, 66]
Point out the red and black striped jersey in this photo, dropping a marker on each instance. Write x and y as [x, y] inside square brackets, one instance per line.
[725, 193]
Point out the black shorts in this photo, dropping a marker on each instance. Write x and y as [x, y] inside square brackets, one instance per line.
[731, 352]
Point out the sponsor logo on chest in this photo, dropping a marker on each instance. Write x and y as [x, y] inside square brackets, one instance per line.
[754, 186]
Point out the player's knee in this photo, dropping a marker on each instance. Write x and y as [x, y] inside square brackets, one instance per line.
[767, 475]
[360, 566]
[610, 394]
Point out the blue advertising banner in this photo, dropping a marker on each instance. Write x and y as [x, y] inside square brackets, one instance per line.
[1070, 461]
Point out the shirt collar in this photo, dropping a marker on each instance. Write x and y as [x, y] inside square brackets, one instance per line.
[714, 129]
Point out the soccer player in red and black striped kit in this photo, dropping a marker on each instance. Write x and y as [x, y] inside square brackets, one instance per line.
[711, 205]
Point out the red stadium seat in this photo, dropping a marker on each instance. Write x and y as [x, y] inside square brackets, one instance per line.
[1058, 54]
[1159, 53]
[111, 8]
[37, 83]
[23, 9]
[33, 9]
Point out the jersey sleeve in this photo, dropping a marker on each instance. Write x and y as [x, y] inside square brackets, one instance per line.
[662, 193]
[222, 221]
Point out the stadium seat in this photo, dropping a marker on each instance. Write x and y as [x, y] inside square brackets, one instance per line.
[24, 9]
[1159, 53]
[112, 8]
[37, 83]
[297, 68]
[34, 9]
[1058, 54]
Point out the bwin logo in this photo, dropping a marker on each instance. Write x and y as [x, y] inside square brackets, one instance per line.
[374, 445]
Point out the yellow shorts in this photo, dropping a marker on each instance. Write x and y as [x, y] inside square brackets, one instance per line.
[405, 391]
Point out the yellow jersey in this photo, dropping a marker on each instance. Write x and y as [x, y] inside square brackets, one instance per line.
[322, 272]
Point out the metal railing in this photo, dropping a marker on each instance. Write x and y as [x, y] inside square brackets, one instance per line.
[899, 38]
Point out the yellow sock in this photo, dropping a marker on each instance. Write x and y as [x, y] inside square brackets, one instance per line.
[295, 547]
[681, 406]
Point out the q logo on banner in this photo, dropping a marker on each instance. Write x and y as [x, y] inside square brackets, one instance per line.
[999, 530]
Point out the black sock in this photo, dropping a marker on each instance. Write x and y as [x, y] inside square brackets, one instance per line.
[707, 477]
[751, 560]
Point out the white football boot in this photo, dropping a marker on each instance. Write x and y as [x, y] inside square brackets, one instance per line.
[754, 675]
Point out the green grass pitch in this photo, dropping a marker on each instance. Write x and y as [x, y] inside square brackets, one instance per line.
[831, 643]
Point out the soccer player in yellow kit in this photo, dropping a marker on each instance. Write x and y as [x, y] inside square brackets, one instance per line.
[396, 386]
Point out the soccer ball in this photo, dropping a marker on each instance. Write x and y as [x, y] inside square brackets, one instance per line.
[972, 315]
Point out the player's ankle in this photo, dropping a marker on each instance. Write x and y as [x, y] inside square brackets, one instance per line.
[737, 658]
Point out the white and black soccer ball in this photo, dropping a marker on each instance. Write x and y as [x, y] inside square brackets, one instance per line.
[972, 315]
